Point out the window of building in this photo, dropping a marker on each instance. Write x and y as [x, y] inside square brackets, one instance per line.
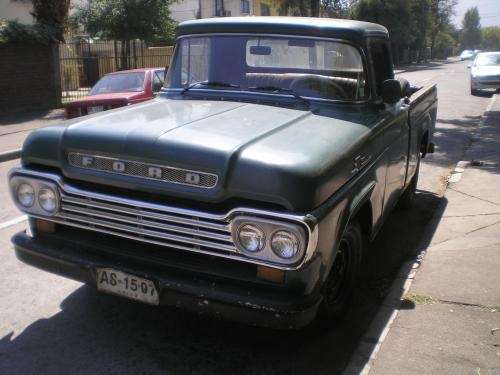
[245, 6]
[265, 9]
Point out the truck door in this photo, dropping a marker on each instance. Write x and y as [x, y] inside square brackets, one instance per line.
[396, 129]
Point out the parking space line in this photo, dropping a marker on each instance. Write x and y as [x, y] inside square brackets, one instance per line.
[12, 222]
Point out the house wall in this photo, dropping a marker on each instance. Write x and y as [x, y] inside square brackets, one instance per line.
[16, 10]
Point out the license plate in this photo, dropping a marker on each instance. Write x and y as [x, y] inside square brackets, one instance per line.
[126, 285]
[95, 109]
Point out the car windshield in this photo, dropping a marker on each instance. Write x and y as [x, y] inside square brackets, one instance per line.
[122, 82]
[302, 67]
[488, 59]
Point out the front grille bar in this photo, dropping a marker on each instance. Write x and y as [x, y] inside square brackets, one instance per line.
[143, 222]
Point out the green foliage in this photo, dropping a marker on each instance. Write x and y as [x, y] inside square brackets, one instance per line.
[126, 20]
[491, 38]
[414, 25]
[335, 8]
[471, 30]
[53, 14]
[16, 32]
[443, 46]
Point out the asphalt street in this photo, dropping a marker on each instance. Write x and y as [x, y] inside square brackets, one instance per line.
[51, 325]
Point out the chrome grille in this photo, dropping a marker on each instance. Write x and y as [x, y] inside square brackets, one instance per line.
[145, 222]
[143, 170]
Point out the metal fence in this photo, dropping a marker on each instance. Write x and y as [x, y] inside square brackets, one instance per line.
[82, 63]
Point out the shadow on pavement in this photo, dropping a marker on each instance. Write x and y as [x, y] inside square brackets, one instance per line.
[435, 65]
[20, 117]
[97, 333]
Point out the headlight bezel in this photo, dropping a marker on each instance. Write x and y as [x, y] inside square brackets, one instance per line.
[16, 181]
[269, 228]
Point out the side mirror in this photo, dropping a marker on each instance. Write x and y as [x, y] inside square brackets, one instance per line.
[391, 91]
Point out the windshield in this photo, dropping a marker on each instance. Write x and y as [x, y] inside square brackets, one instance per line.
[122, 82]
[488, 59]
[306, 67]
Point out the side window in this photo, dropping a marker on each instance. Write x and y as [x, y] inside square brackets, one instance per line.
[245, 6]
[158, 81]
[382, 62]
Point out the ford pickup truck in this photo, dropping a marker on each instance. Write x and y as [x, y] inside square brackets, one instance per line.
[252, 185]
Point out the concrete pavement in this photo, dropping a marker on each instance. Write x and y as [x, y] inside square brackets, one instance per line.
[449, 321]
[15, 128]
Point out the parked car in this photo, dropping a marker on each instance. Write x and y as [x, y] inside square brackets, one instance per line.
[249, 192]
[485, 72]
[118, 89]
[466, 55]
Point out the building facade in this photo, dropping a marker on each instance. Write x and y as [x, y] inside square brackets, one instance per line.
[184, 10]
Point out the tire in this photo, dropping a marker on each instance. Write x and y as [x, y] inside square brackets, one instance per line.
[407, 199]
[473, 91]
[342, 280]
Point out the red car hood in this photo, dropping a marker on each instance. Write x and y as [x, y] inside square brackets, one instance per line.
[109, 98]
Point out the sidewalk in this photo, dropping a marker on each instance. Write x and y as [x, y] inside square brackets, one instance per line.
[14, 128]
[449, 321]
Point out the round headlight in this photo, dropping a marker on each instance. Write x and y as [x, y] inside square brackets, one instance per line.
[285, 244]
[251, 238]
[47, 198]
[25, 194]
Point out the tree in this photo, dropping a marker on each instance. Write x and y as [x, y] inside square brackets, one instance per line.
[301, 8]
[471, 29]
[491, 38]
[335, 8]
[52, 14]
[441, 13]
[128, 20]
[395, 15]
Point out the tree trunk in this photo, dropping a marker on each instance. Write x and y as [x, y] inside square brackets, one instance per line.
[315, 8]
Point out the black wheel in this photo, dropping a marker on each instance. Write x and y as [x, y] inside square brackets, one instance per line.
[473, 91]
[343, 276]
[407, 199]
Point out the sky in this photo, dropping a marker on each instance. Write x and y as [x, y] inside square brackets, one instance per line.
[489, 11]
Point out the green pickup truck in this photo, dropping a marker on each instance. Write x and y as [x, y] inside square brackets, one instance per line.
[249, 188]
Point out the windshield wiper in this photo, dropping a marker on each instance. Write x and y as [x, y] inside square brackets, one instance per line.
[209, 83]
[276, 89]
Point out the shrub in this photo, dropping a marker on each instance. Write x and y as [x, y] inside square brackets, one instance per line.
[16, 32]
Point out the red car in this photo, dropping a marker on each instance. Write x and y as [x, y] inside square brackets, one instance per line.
[118, 89]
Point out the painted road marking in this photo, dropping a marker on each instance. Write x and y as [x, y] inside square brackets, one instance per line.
[12, 222]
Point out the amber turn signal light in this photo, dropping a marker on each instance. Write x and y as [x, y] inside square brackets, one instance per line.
[270, 274]
[45, 226]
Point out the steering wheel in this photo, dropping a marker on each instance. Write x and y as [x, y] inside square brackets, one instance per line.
[318, 84]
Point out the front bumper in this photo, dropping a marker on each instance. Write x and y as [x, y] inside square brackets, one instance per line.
[228, 298]
[485, 84]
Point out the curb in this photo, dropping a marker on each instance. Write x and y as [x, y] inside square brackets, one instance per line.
[10, 155]
[364, 356]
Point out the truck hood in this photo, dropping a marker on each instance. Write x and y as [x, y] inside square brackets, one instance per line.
[288, 157]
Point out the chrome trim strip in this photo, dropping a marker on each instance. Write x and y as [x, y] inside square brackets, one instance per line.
[143, 213]
[143, 222]
[308, 222]
[145, 232]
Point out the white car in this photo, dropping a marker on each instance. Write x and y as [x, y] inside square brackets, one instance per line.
[467, 55]
[485, 72]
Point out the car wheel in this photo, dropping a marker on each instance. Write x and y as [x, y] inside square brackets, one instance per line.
[473, 91]
[341, 282]
[407, 199]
